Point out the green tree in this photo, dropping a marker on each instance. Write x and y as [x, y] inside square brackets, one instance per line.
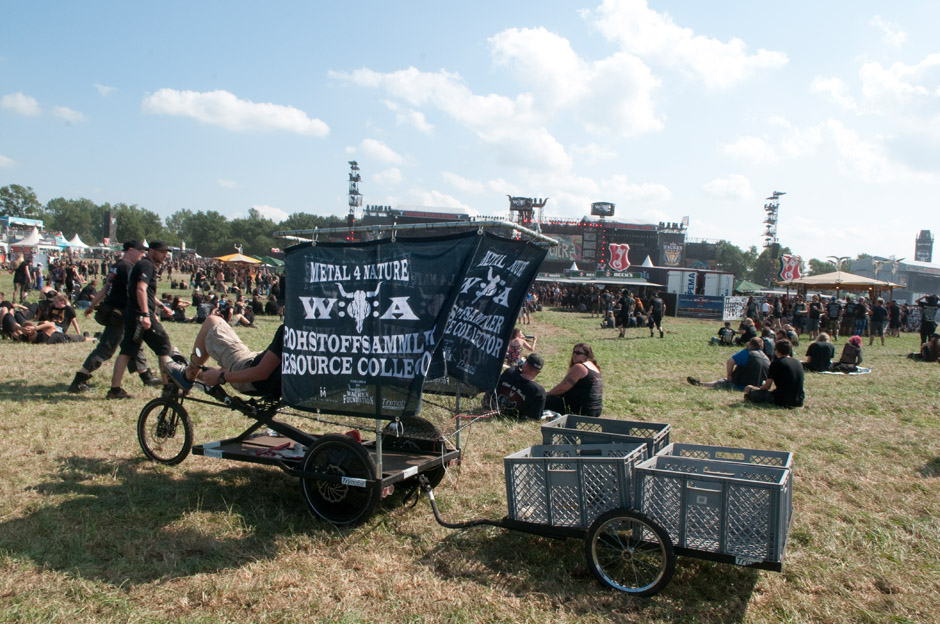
[19, 201]
[254, 234]
[175, 226]
[207, 233]
[731, 258]
[306, 221]
[136, 223]
[819, 267]
[75, 216]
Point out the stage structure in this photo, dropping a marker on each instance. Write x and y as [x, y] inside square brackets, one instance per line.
[595, 245]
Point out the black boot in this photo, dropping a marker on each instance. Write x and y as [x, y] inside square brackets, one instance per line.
[80, 383]
[147, 378]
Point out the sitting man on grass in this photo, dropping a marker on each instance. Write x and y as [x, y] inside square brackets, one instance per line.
[786, 374]
[745, 368]
[517, 393]
[725, 335]
[819, 354]
[251, 372]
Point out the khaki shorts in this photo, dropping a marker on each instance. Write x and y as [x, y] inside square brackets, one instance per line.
[230, 352]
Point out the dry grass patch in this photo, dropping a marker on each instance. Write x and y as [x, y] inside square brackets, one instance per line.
[91, 532]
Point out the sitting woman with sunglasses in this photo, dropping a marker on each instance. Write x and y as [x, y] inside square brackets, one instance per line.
[582, 390]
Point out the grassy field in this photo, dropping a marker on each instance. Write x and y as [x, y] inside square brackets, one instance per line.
[92, 532]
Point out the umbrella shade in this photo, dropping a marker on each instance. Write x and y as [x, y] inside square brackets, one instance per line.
[840, 280]
[745, 286]
[268, 260]
[237, 257]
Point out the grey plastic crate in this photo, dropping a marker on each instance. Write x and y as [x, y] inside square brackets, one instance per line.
[736, 509]
[780, 459]
[572, 429]
[568, 485]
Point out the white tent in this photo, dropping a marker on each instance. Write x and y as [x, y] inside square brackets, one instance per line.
[77, 242]
[647, 263]
[32, 240]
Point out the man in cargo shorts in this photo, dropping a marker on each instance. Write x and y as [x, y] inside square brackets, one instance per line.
[251, 372]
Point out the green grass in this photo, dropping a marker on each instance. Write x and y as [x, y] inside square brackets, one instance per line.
[92, 532]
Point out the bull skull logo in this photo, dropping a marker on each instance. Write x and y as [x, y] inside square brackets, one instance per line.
[358, 306]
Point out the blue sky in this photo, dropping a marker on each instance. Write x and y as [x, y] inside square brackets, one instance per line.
[674, 109]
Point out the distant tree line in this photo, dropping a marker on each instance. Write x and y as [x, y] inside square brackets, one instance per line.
[212, 234]
[207, 232]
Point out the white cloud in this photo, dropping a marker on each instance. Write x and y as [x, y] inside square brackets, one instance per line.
[610, 95]
[835, 90]
[735, 187]
[511, 126]
[380, 151]
[866, 159]
[620, 187]
[224, 109]
[428, 197]
[891, 33]
[228, 184]
[592, 153]
[751, 149]
[409, 117]
[270, 212]
[6, 162]
[463, 184]
[655, 36]
[902, 88]
[69, 115]
[22, 104]
[104, 90]
[389, 177]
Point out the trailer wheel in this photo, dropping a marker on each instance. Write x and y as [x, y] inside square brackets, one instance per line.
[629, 552]
[164, 431]
[342, 504]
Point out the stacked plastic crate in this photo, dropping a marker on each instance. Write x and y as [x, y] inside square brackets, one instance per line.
[711, 500]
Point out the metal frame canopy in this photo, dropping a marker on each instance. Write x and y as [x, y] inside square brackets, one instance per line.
[839, 281]
[379, 231]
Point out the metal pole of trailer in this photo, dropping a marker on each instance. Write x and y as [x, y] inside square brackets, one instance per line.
[457, 418]
[301, 235]
[378, 433]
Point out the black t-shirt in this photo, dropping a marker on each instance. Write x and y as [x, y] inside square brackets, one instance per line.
[272, 385]
[787, 374]
[815, 309]
[519, 397]
[928, 307]
[116, 296]
[143, 271]
[8, 323]
[53, 338]
[833, 309]
[861, 311]
[62, 317]
[820, 354]
[878, 314]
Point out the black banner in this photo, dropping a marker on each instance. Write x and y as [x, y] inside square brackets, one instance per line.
[363, 320]
[488, 303]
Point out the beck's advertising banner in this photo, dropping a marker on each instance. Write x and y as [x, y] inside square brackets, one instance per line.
[488, 303]
[362, 321]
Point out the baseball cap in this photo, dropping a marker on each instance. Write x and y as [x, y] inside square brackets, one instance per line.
[535, 361]
[133, 244]
[159, 246]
